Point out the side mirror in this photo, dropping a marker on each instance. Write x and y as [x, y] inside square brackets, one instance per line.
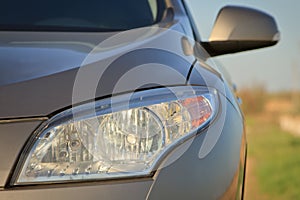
[239, 29]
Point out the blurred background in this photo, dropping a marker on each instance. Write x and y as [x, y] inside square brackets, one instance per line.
[269, 85]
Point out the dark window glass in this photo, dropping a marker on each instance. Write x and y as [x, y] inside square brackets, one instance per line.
[98, 15]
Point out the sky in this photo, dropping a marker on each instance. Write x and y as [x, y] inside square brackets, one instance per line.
[277, 67]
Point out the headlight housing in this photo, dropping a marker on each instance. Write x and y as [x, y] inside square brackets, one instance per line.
[118, 137]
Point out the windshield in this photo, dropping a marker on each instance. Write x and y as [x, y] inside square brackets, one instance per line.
[98, 15]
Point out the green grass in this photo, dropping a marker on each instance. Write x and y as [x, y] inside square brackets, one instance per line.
[276, 156]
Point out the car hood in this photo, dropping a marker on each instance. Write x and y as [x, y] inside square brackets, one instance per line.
[39, 70]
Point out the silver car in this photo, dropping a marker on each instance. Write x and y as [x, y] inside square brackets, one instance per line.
[121, 100]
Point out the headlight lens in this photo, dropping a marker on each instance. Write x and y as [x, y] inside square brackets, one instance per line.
[123, 136]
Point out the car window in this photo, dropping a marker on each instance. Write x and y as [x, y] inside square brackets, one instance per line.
[100, 15]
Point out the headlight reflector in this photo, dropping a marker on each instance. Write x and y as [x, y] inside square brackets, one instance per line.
[123, 136]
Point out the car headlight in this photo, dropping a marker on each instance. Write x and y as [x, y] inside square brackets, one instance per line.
[122, 136]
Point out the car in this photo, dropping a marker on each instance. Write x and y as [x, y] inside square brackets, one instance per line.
[122, 100]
